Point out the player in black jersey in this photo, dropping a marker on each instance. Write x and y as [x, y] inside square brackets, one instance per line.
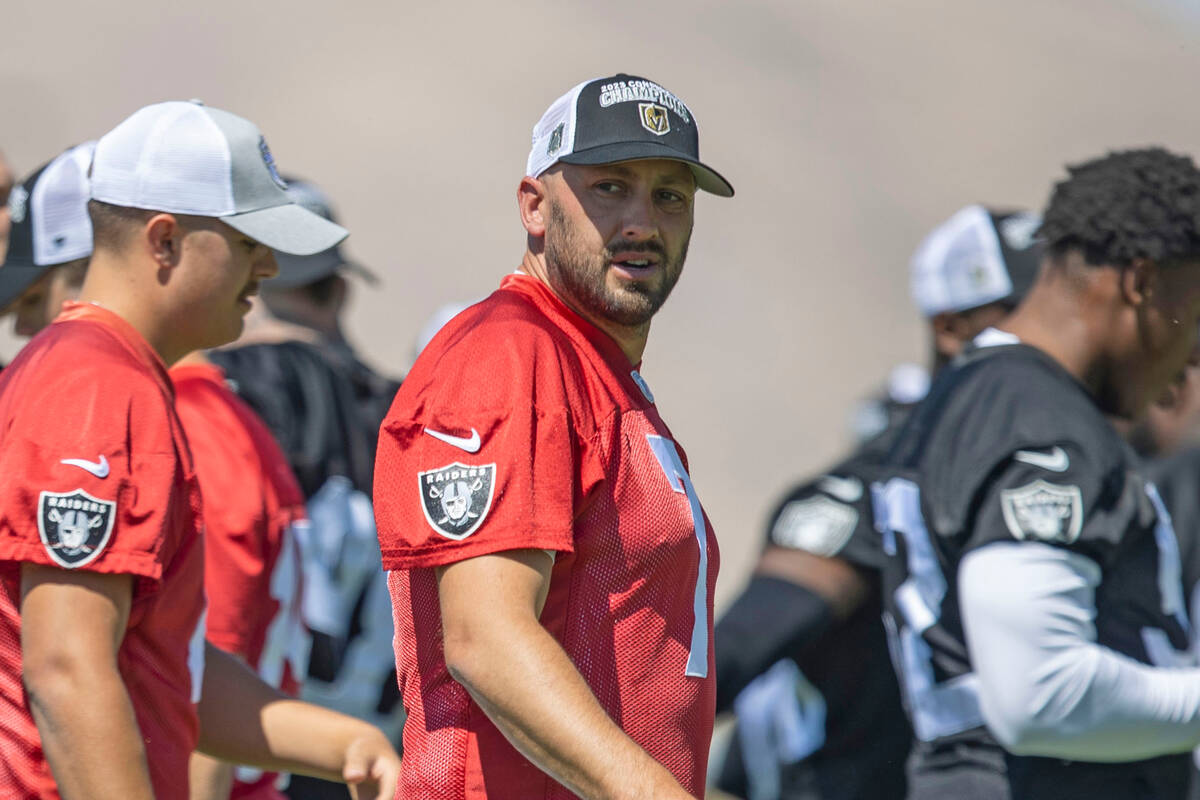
[1032, 587]
[801, 655]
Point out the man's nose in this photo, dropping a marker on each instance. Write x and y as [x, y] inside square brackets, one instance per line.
[640, 222]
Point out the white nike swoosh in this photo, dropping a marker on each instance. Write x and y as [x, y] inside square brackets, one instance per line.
[848, 490]
[97, 468]
[470, 444]
[1055, 461]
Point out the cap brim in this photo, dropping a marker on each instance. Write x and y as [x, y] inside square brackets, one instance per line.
[707, 178]
[15, 279]
[288, 228]
[303, 270]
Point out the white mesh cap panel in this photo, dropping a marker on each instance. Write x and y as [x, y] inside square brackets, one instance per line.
[166, 157]
[61, 228]
[959, 265]
[545, 150]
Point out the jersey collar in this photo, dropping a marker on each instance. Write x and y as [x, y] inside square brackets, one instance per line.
[75, 311]
[610, 351]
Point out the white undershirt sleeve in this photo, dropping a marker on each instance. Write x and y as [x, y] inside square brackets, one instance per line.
[1046, 687]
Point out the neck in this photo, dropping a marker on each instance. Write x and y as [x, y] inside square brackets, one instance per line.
[630, 338]
[1060, 322]
[112, 284]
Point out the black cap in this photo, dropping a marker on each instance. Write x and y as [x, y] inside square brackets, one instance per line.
[302, 270]
[50, 224]
[621, 118]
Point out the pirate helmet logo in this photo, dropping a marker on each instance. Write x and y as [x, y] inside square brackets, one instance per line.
[74, 526]
[456, 498]
[654, 118]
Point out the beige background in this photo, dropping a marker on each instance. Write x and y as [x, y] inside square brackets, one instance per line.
[849, 127]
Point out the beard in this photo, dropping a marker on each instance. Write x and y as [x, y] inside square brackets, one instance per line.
[582, 276]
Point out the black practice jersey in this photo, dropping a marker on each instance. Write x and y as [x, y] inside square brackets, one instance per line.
[1177, 478]
[1009, 447]
[827, 721]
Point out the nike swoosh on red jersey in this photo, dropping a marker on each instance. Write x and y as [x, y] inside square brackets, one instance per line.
[469, 443]
[97, 468]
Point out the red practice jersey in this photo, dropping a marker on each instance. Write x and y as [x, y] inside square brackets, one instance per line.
[252, 503]
[524, 426]
[97, 476]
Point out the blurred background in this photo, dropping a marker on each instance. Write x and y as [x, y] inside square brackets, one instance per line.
[848, 127]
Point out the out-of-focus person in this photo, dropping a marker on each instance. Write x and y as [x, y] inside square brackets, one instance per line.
[7, 180]
[296, 369]
[112, 671]
[802, 657]
[1032, 586]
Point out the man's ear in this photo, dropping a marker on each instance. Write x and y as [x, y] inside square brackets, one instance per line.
[162, 236]
[1139, 281]
[533, 205]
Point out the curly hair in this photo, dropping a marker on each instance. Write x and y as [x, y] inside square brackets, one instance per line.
[1128, 204]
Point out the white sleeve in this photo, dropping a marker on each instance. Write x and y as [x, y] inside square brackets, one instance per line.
[1046, 687]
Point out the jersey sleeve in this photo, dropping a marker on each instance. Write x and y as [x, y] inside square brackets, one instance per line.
[480, 453]
[90, 475]
[1054, 494]
[237, 521]
[830, 517]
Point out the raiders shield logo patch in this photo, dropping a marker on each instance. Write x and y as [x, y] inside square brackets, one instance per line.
[457, 497]
[74, 527]
[654, 118]
[1043, 511]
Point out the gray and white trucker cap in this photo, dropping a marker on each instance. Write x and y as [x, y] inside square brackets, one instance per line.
[187, 158]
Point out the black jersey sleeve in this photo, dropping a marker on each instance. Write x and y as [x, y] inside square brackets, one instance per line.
[1022, 453]
[1054, 494]
[830, 517]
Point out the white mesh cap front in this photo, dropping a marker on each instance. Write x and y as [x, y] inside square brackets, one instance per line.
[186, 158]
[959, 265]
[61, 229]
[550, 142]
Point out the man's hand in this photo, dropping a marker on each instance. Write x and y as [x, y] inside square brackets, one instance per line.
[245, 721]
[72, 625]
[372, 768]
[526, 684]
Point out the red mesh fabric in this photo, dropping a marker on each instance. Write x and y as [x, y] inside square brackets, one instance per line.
[569, 431]
[85, 387]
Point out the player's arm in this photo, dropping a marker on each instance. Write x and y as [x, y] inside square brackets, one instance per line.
[246, 721]
[1046, 687]
[513, 668]
[792, 599]
[72, 625]
[209, 778]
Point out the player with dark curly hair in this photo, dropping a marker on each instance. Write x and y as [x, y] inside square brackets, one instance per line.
[1032, 590]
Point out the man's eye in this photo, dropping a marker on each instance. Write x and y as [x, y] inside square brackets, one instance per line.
[608, 187]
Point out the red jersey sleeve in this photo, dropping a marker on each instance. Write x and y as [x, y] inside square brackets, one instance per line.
[482, 450]
[89, 466]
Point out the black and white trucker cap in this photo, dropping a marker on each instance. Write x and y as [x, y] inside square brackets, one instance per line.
[50, 224]
[622, 118]
[186, 158]
[978, 256]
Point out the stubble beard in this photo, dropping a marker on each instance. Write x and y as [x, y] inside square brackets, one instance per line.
[581, 276]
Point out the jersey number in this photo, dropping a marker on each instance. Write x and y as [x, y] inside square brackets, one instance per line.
[668, 458]
[937, 709]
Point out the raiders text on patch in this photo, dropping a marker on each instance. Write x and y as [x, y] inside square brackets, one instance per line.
[1043, 511]
[74, 526]
[456, 498]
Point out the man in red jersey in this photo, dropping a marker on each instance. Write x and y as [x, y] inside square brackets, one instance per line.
[101, 609]
[252, 569]
[552, 570]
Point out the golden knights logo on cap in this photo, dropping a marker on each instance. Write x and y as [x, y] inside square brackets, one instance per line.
[654, 118]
